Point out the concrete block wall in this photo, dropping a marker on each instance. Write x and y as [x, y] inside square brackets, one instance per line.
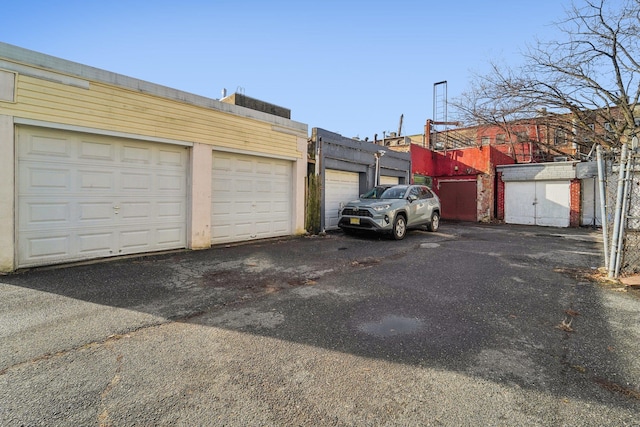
[539, 171]
[485, 197]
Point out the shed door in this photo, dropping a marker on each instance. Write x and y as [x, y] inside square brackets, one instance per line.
[591, 211]
[83, 196]
[340, 187]
[545, 203]
[251, 197]
[459, 200]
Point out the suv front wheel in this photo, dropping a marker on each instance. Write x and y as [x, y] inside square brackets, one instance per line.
[399, 227]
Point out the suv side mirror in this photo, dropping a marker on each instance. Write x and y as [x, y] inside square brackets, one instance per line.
[412, 198]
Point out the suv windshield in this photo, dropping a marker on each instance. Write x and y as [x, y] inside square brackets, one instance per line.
[394, 193]
[374, 193]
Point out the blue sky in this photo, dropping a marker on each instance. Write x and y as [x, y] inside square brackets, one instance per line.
[351, 67]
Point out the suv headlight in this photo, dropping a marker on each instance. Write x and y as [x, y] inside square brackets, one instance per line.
[380, 208]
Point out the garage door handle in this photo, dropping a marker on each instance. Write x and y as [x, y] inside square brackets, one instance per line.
[116, 209]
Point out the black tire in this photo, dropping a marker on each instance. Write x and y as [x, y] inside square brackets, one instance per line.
[434, 224]
[399, 227]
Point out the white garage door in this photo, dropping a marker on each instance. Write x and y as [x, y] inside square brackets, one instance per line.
[545, 203]
[251, 197]
[389, 180]
[86, 196]
[340, 187]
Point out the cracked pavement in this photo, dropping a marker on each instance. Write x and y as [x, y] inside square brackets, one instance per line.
[473, 325]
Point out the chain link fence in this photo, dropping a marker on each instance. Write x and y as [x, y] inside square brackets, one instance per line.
[630, 253]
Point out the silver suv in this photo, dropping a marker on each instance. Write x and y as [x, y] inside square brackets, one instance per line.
[397, 209]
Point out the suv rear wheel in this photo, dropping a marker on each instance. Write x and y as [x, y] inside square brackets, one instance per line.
[399, 227]
[434, 224]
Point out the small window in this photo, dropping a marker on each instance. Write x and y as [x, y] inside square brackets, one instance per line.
[588, 138]
[500, 138]
[560, 137]
[421, 180]
[7, 86]
[522, 137]
[428, 194]
[485, 140]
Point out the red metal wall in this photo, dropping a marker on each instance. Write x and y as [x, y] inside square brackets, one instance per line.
[472, 163]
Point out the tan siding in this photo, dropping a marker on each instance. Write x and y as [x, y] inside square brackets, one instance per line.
[112, 108]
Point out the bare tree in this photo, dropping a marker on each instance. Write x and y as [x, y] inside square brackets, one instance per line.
[587, 82]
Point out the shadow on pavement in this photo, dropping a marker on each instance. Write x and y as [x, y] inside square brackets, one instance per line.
[506, 304]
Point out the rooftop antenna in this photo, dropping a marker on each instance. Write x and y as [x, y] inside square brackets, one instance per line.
[440, 110]
[439, 107]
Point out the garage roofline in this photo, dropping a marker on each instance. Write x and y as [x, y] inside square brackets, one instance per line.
[20, 57]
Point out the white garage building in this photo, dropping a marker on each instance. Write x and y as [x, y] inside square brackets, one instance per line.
[97, 164]
[557, 194]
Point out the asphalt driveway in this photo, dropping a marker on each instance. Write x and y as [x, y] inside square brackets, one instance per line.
[473, 325]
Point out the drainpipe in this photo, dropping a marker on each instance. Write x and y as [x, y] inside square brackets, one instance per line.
[320, 169]
[623, 215]
[616, 218]
[603, 205]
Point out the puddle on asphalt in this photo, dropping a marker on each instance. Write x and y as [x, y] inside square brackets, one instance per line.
[429, 245]
[392, 325]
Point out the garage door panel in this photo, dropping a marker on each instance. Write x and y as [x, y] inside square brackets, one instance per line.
[263, 207]
[171, 182]
[135, 211]
[37, 177]
[519, 203]
[249, 195]
[91, 212]
[169, 236]
[117, 196]
[90, 150]
[222, 232]
[281, 208]
[459, 200]
[340, 187]
[281, 171]
[389, 180]
[136, 154]
[96, 244]
[93, 180]
[135, 182]
[47, 247]
[170, 210]
[136, 240]
[171, 158]
[45, 214]
[243, 166]
[46, 146]
[544, 203]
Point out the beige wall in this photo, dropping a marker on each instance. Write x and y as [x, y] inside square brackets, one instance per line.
[66, 95]
[200, 183]
[7, 192]
[122, 110]
[300, 173]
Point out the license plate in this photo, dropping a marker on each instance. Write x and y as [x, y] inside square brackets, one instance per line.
[354, 221]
